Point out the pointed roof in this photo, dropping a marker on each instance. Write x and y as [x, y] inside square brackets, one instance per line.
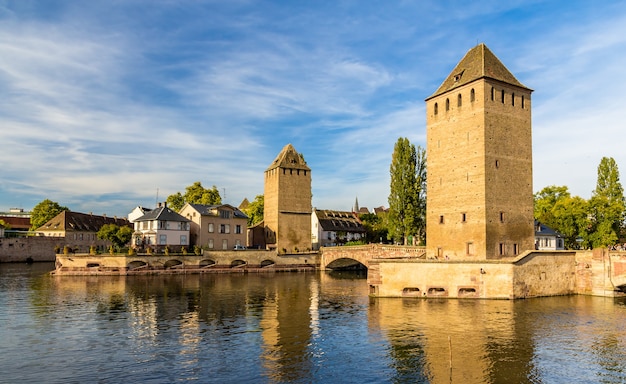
[83, 222]
[289, 158]
[162, 213]
[478, 63]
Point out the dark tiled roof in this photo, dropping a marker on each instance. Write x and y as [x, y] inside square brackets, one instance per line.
[81, 222]
[338, 221]
[208, 210]
[162, 213]
[544, 230]
[16, 223]
[289, 158]
[479, 62]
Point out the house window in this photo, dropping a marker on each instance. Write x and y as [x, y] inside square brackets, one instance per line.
[238, 229]
[183, 239]
[224, 214]
[162, 225]
[210, 244]
[222, 228]
[436, 108]
[211, 229]
[501, 246]
[447, 105]
[162, 239]
[513, 99]
[515, 249]
[493, 93]
[225, 244]
[472, 95]
[459, 102]
[502, 96]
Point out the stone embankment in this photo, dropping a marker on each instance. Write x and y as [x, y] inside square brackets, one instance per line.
[28, 249]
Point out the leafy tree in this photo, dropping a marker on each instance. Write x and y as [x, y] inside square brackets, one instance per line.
[606, 206]
[375, 228]
[4, 224]
[194, 194]
[44, 211]
[545, 201]
[405, 207]
[118, 236]
[570, 220]
[254, 210]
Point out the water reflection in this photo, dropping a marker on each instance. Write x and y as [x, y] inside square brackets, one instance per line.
[296, 328]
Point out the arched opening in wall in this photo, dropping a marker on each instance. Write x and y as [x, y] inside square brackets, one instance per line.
[447, 105]
[347, 268]
[137, 264]
[436, 108]
[170, 264]
[238, 264]
[459, 101]
[267, 263]
[472, 95]
[207, 263]
[468, 292]
[437, 291]
[411, 292]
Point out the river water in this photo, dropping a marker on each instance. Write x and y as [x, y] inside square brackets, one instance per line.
[293, 328]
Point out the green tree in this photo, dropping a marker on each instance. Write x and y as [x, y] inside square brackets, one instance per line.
[4, 224]
[570, 220]
[375, 228]
[545, 201]
[606, 206]
[404, 195]
[194, 194]
[44, 211]
[254, 210]
[118, 236]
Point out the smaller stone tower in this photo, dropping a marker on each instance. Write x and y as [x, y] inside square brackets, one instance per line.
[287, 211]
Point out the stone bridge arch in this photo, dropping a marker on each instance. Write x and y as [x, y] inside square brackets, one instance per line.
[365, 254]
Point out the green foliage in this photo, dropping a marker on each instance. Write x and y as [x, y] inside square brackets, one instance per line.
[254, 210]
[4, 224]
[194, 194]
[118, 236]
[606, 206]
[407, 206]
[375, 228]
[44, 211]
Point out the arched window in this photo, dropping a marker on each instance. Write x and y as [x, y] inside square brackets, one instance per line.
[459, 102]
[447, 104]
[513, 99]
[472, 95]
[493, 93]
[502, 96]
[436, 108]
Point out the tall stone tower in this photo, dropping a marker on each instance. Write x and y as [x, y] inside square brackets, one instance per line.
[287, 210]
[479, 151]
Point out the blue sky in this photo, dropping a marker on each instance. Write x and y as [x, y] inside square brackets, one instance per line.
[104, 103]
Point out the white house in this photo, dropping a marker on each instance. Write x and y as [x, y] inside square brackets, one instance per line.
[332, 228]
[161, 227]
[547, 238]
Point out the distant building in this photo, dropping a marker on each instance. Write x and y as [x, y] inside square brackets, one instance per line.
[161, 227]
[216, 226]
[17, 221]
[332, 228]
[547, 238]
[287, 206]
[79, 230]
